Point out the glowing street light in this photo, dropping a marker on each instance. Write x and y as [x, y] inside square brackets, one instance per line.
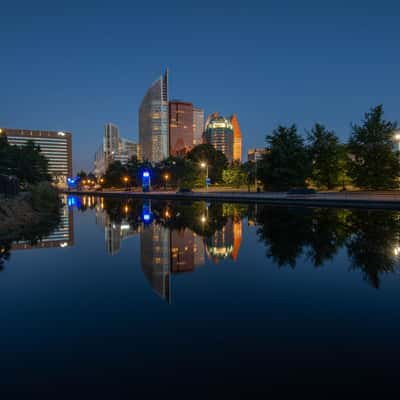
[397, 139]
[205, 165]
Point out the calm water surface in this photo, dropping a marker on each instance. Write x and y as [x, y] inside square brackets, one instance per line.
[189, 298]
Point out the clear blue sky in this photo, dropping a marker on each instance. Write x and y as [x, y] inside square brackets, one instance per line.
[74, 65]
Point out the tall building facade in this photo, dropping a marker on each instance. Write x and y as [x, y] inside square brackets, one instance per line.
[181, 136]
[198, 126]
[237, 139]
[55, 146]
[114, 148]
[219, 133]
[154, 121]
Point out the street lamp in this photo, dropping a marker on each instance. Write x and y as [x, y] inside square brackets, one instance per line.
[166, 177]
[397, 139]
[205, 165]
[126, 179]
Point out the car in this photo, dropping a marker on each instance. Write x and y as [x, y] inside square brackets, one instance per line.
[184, 190]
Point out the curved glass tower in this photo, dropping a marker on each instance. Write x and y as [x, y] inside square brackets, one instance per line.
[153, 121]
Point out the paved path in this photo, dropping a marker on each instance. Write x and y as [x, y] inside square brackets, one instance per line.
[326, 199]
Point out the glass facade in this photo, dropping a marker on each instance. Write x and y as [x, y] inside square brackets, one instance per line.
[180, 128]
[219, 133]
[154, 122]
[198, 126]
[55, 146]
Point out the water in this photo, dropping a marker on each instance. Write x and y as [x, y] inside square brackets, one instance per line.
[189, 298]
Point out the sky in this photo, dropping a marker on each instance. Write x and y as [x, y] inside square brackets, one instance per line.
[75, 65]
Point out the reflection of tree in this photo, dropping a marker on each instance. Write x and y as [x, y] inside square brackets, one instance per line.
[371, 243]
[327, 234]
[291, 232]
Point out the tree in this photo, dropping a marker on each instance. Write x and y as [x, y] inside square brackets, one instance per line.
[249, 169]
[114, 174]
[215, 160]
[26, 162]
[234, 175]
[82, 175]
[325, 154]
[373, 163]
[287, 163]
[179, 172]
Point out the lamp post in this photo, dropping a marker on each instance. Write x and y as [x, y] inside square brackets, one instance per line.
[126, 179]
[205, 165]
[397, 139]
[166, 177]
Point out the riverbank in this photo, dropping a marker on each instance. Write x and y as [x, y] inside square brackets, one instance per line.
[384, 200]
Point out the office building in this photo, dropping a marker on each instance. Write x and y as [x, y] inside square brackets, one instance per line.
[154, 122]
[256, 154]
[219, 133]
[181, 136]
[114, 148]
[55, 146]
[198, 126]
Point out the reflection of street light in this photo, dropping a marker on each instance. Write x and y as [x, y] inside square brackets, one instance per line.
[203, 219]
[126, 209]
[205, 165]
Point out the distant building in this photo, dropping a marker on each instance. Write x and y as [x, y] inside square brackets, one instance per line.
[153, 121]
[114, 148]
[181, 136]
[256, 154]
[55, 146]
[198, 126]
[219, 133]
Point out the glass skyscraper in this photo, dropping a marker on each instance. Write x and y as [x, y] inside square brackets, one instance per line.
[154, 121]
[219, 133]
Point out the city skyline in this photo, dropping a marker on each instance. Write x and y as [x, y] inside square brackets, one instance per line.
[286, 65]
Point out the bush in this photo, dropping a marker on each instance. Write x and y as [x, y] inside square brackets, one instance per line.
[45, 198]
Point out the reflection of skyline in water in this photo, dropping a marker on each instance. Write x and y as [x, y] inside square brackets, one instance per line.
[62, 236]
[179, 237]
[165, 251]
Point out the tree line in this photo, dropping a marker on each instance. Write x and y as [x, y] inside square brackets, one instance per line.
[368, 161]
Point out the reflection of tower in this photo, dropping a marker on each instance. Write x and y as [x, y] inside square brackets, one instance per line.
[155, 258]
[225, 242]
[187, 251]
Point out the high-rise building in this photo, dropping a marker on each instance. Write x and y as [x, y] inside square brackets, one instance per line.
[154, 121]
[181, 136]
[237, 139]
[114, 148]
[198, 126]
[219, 133]
[111, 139]
[55, 146]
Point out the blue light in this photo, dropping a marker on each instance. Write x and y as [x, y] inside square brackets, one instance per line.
[146, 174]
[146, 217]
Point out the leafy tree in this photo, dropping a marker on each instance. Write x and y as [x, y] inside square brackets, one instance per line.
[234, 175]
[215, 160]
[26, 162]
[249, 170]
[114, 174]
[133, 170]
[325, 153]
[287, 163]
[373, 163]
[181, 172]
[82, 175]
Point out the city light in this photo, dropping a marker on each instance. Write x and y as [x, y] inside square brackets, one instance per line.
[203, 165]
[146, 174]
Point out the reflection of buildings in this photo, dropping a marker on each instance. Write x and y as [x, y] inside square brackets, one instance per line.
[187, 251]
[62, 236]
[226, 242]
[114, 233]
[155, 258]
